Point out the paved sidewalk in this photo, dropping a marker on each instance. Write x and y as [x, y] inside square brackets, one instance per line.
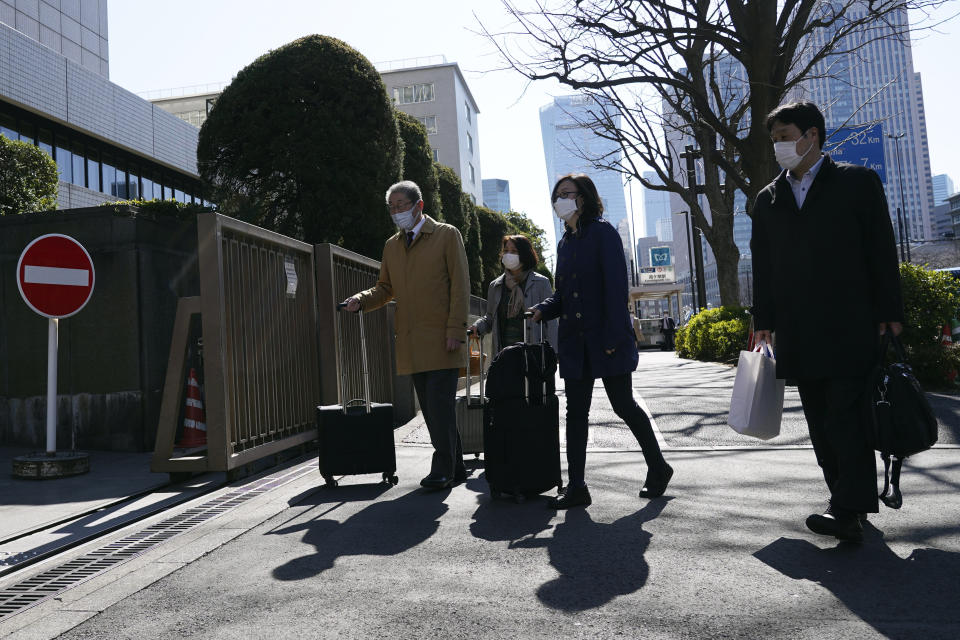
[723, 555]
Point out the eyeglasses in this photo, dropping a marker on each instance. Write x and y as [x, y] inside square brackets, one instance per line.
[566, 194]
[399, 206]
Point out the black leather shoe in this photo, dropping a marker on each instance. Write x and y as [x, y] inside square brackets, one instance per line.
[842, 527]
[572, 497]
[436, 482]
[657, 483]
[460, 477]
[861, 516]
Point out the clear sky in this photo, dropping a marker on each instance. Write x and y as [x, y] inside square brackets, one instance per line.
[165, 44]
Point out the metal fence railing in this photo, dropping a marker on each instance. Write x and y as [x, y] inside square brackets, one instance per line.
[261, 373]
[340, 274]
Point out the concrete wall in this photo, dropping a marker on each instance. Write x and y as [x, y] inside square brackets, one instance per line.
[113, 354]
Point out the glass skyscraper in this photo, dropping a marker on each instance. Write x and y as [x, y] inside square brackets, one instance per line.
[876, 84]
[565, 142]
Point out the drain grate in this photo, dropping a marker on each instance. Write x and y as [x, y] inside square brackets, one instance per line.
[33, 591]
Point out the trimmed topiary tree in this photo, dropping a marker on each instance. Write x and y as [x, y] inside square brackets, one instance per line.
[418, 162]
[459, 211]
[493, 226]
[304, 142]
[28, 178]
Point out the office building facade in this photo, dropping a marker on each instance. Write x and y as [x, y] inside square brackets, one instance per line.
[437, 94]
[76, 29]
[108, 143]
[496, 194]
[565, 141]
[877, 83]
[942, 188]
[656, 207]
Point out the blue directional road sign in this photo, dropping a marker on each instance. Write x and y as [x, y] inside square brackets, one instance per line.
[660, 256]
[859, 145]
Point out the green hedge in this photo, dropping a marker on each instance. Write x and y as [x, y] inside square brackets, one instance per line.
[714, 335]
[161, 208]
[930, 301]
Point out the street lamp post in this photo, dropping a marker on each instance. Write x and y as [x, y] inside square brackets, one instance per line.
[905, 221]
[693, 291]
[690, 155]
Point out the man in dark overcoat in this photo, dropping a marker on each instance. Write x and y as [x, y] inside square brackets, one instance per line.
[827, 284]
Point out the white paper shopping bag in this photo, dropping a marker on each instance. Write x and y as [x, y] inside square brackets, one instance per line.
[756, 405]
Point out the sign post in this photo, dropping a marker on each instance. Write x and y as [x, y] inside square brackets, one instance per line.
[55, 276]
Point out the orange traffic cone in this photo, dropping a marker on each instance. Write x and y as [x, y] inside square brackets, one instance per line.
[194, 427]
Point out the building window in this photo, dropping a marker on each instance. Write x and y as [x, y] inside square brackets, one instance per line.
[466, 107]
[429, 123]
[473, 174]
[436, 155]
[90, 163]
[470, 143]
[413, 93]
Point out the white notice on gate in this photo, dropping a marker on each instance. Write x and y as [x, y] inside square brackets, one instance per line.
[291, 270]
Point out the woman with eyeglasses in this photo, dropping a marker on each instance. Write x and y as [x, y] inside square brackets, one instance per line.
[512, 293]
[596, 338]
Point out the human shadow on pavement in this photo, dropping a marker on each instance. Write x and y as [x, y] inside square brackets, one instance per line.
[385, 528]
[597, 562]
[914, 596]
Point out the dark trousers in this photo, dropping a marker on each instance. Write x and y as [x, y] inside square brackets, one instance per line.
[437, 393]
[620, 392]
[834, 412]
[668, 339]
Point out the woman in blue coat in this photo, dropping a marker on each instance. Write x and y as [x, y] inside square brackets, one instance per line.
[595, 335]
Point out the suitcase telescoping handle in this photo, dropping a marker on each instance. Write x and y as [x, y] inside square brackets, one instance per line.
[341, 390]
[470, 332]
[543, 358]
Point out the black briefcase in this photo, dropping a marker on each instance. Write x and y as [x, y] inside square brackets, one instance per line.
[900, 421]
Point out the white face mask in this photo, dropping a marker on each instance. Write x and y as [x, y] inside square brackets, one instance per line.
[786, 153]
[565, 208]
[406, 220]
[510, 261]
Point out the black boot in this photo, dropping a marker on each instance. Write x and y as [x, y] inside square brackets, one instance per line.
[572, 497]
[657, 482]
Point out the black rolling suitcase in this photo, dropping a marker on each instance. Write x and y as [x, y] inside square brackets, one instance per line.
[521, 435]
[356, 436]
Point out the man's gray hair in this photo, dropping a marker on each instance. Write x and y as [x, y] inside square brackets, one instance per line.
[408, 188]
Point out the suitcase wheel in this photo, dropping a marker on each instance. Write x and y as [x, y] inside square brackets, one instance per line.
[330, 482]
[390, 479]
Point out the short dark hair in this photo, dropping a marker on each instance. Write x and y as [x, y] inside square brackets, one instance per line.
[525, 251]
[802, 114]
[592, 205]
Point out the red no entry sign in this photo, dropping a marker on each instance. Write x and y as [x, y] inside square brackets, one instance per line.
[55, 275]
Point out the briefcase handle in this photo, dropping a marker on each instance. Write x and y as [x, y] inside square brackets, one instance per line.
[341, 392]
[886, 340]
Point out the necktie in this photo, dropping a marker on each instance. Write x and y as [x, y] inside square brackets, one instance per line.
[409, 238]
